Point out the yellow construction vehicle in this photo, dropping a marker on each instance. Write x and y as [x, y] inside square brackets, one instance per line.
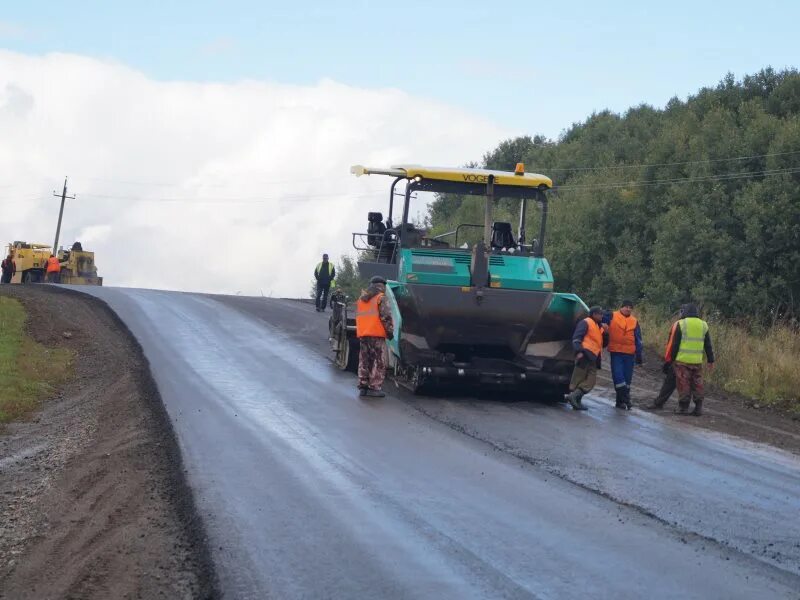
[77, 266]
[31, 261]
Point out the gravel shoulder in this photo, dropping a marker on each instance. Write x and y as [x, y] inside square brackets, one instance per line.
[93, 498]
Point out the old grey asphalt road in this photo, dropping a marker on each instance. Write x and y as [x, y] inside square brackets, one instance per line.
[308, 491]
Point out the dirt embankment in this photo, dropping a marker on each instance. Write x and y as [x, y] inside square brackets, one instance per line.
[93, 500]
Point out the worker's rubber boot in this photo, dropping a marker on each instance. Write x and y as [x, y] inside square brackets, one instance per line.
[375, 393]
[620, 402]
[683, 409]
[362, 391]
[656, 405]
[574, 399]
[698, 408]
[627, 398]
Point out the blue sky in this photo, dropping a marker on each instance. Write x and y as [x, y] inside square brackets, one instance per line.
[529, 66]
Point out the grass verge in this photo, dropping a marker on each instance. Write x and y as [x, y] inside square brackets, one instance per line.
[29, 372]
[759, 364]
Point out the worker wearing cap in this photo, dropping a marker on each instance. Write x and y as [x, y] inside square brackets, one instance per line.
[669, 384]
[53, 271]
[691, 341]
[325, 273]
[374, 326]
[625, 347]
[588, 341]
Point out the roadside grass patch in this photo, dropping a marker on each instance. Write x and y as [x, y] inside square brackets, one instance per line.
[29, 372]
[760, 364]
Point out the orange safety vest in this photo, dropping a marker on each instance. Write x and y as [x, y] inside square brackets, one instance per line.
[621, 333]
[52, 265]
[670, 341]
[368, 318]
[593, 340]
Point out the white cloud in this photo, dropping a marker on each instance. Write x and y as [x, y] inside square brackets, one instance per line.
[266, 163]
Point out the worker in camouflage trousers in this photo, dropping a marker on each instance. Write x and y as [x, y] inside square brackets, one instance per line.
[374, 326]
[588, 340]
[690, 343]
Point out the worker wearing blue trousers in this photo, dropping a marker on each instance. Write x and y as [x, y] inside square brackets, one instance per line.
[625, 347]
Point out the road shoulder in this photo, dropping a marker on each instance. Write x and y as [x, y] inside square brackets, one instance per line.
[95, 503]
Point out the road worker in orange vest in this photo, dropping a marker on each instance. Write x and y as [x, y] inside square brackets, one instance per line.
[588, 341]
[669, 373]
[374, 326]
[625, 346]
[53, 271]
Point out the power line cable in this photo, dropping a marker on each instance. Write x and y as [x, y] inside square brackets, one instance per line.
[248, 200]
[177, 184]
[680, 180]
[673, 164]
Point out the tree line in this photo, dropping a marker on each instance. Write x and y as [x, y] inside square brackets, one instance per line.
[697, 201]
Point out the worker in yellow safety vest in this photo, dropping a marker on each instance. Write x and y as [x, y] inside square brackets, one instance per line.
[324, 274]
[691, 341]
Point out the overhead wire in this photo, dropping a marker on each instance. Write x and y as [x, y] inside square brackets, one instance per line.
[301, 197]
[181, 183]
[680, 180]
[253, 200]
[246, 200]
[673, 164]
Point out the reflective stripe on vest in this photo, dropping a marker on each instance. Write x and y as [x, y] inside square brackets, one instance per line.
[670, 341]
[621, 333]
[368, 318]
[593, 340]
[693, 336]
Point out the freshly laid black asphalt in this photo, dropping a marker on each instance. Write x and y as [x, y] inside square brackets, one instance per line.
[308, 491]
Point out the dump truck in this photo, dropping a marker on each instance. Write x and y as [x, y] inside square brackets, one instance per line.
[77, 265]
[486, 314]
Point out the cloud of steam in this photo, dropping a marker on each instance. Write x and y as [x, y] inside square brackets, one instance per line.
[202, 186]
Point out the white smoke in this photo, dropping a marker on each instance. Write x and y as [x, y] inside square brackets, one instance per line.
[203, 186]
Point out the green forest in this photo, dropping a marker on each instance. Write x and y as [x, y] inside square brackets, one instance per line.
[697, 201]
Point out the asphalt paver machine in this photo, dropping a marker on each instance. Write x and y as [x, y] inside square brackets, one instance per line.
[485, 315]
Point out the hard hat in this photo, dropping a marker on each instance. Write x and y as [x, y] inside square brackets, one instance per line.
[378, 279]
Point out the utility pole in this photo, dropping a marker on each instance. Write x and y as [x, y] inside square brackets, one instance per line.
[64, 197]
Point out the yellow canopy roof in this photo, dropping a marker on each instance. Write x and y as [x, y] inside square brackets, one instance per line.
[532, 180]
